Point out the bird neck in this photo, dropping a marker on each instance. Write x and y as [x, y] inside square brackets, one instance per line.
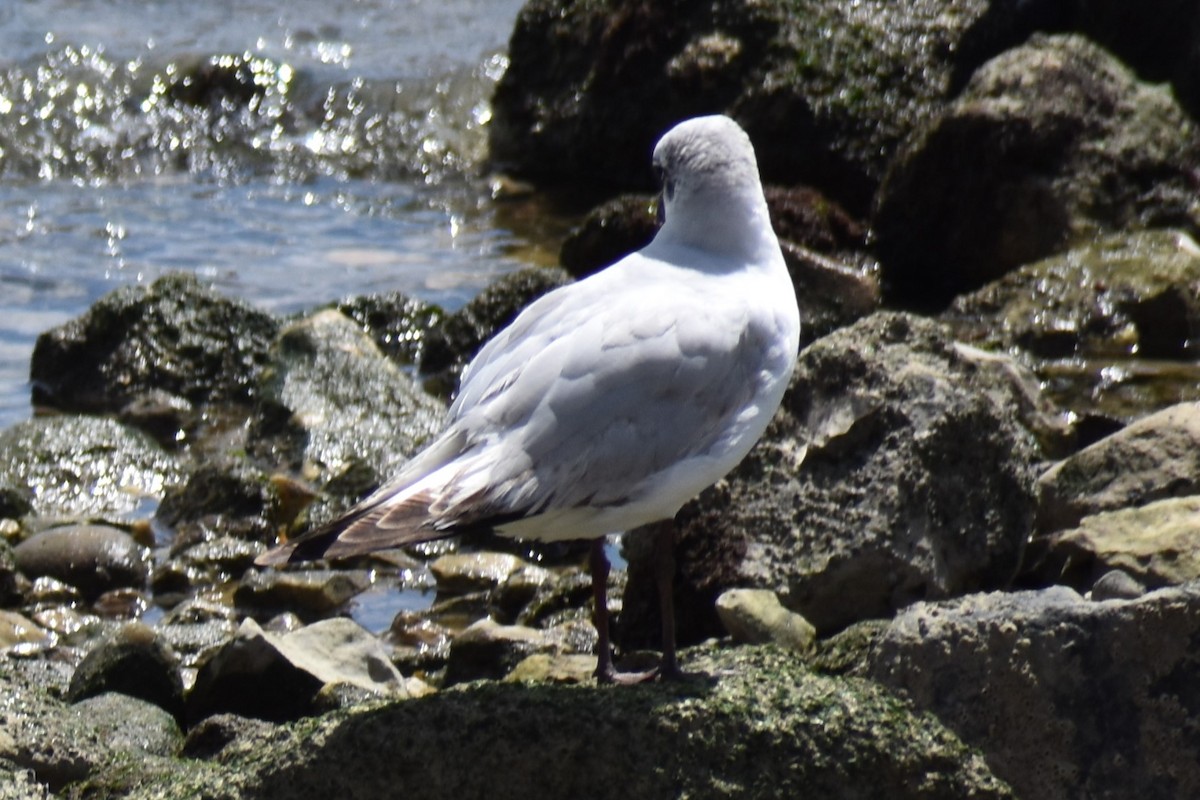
[734, 225]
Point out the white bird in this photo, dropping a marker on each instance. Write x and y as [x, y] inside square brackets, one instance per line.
[609, 403]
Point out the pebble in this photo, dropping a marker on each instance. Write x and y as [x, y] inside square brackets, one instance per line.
[755, 616]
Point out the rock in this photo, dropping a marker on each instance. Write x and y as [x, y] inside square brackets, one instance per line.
[826, 95]
[608, 233]
[452, 343]
[896, 470]
[174, 336]
[397, 323]
[1116, 585]
[84, 466]
[12, 582]
[1065, 698]
[554, 668]
[755, 616]
[61, 744]
[339, 411]
[22, 634]
[310, 593]
[20, 784]
[135, 661]
[489, 650]
[277, 677]
[1075, 145]
[458, 573]
[807, 736]
[92, 558]
[1151, 459]
[222, 498]
[1157, 544]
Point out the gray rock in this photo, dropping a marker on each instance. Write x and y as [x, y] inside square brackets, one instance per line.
[397, 323]
[19, 633]
[20, 784]
[806, 735]
[222, 497]
[84, 466]
[755, 616]
[174, 336]
[92, 558]
[1065, 698]
[61, 743]
[338, 411]
[1157, 544]
[1153, 458]
[134, 661]
[1074, 145]
[277, 677]
[1116, 585]
[896, 470]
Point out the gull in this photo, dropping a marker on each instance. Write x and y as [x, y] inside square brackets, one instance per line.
[609, 403]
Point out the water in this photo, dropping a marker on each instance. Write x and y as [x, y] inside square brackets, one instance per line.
[350, 163]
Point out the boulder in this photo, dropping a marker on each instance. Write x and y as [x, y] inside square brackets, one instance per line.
[1066, 698]
[1074, 144]
[92, 558]
[897, 469]
[133, 661]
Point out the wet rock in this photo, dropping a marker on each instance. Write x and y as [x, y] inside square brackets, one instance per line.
[1076, 145]
[826, 95]
[419, 644]
[1157, 544]
[342, 414]
[458, 573]
[1065, 698]
[896, 470]
[396, 322]
[490, 650]
[22, 634]
[755, 616]
[452, 343]
[14, 502]
[174, 336]
[12, 582]
[1134, 292]
[213, 734]
[84, 466]
[277, 677]
[92, 558]
[509, 600]
[310, 593]
[568, 595]
[222, 498]
[1151, 459]
[809, 735]
[195, 629]
[608, 233]
[135, 661]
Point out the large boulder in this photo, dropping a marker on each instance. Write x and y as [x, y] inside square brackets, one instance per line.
[761, 726]
[1066, 698]
[174, 337]
[896, 470]
[827, 93]
[1061, 141]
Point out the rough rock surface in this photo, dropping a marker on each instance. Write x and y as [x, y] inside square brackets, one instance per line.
[174, 336]
[1075, 145]
[1066, 698]
[896, 470]
[760, 727]
[826, 93]
[77, 466]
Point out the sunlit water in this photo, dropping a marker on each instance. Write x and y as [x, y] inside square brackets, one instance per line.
[355, 167]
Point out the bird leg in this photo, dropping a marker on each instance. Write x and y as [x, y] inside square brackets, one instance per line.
[664, 574]
[605, 671]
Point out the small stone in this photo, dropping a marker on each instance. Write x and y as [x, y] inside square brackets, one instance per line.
[92, 558]
[755, 616]
[549, 668]
[21, 633]
[1117, 585]
[312, 592]
[489, 650]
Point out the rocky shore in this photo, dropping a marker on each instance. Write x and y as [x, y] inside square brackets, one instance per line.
[963, 562]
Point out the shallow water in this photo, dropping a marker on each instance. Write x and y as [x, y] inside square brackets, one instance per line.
[354, 164]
